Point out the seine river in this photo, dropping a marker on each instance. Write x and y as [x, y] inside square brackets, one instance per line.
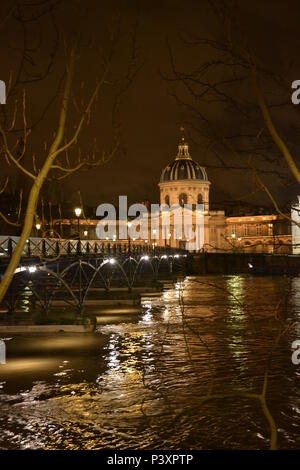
[189, 372]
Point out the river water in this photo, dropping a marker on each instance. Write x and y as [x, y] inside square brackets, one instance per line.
[177, 376]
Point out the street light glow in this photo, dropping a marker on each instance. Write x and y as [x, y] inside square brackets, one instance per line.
[32, 269]
[77, 211]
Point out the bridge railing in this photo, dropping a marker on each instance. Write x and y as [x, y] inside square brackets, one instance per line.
[53, 247]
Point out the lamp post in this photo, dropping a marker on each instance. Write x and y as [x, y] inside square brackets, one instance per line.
[271, 232]
[169, 239]
[78, 214]
[233, 237]
[240, 245]
[129, 253]
[129, 241]
[38, 227]
[154, 238]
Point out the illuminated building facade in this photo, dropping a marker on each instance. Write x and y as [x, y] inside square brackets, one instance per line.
[184, 182]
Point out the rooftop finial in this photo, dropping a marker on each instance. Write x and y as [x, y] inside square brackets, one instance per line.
[183, 148]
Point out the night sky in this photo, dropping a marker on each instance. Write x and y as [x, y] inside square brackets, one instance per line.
[149, 116]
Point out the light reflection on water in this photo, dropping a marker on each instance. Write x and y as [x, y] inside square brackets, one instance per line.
[141, 384]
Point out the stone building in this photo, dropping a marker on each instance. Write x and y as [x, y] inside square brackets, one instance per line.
[184, 182]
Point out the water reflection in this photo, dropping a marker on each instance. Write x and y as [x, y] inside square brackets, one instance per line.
[294, 304]
[236, 294]
[237, 316]
[142, 384]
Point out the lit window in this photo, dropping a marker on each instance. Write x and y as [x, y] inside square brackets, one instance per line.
[182, 199]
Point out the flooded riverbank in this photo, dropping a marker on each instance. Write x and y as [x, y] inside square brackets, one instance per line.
[184, 374]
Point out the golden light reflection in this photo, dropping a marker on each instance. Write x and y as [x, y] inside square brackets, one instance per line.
[124, 359]
[165, 315]
[236, 315]
[63, 341]
[166, 295]
[113, 362]
[14, 366]
[147, 318]
[236, 289]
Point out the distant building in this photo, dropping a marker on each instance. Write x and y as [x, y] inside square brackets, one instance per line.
[183, 182]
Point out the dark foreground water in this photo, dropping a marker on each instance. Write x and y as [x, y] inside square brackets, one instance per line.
[175, 377]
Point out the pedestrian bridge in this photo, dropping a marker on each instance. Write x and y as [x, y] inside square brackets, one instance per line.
[58, 271]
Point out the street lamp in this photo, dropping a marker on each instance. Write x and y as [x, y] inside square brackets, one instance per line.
[233, 244]
[38, 226]
[272, 233]
[129, 251]
[154, 238]
[78, 214]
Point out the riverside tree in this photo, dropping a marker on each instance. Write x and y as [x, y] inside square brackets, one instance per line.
[76, 97]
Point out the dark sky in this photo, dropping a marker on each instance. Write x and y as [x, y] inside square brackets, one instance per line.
[149, 115]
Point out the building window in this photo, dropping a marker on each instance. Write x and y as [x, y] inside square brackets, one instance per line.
[199, 199]
[167, 200]
[270, 229]
[246, 230]
[182, 199]
[258, 229]
[213, 232]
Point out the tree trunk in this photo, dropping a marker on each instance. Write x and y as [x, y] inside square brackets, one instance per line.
[28, 223]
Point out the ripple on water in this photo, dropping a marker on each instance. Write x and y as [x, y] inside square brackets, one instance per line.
[148, 383]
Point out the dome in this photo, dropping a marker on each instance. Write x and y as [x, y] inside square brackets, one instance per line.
[183, 167]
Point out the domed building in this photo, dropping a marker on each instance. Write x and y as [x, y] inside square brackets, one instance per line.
[184, 184]
[185, 192]
[184, 181]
